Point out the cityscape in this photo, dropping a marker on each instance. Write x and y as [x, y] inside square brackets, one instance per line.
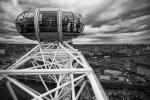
[122, 69]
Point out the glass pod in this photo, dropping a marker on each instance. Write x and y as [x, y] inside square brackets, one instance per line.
[49, 24]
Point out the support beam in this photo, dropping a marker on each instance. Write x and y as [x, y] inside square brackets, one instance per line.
[45, 85]
[73, 87]
[97, 88]
[33, 90]
[82, 87]
[22, 87]
[14, 66]
[12, 93]
[53, 90]
[44, 71]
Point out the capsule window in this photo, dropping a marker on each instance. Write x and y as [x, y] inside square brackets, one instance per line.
[78, 24]
[48, 21]
[67, 22]
[71, 22]
[25, 22]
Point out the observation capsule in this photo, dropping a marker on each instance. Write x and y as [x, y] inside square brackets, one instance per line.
[49, 24]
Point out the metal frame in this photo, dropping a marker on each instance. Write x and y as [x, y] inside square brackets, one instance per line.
[58, 63]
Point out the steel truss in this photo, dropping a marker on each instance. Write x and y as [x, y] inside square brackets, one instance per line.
[59, 63]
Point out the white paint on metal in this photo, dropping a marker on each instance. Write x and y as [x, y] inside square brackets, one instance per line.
[59, 63]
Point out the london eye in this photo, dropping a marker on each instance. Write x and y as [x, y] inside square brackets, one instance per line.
[53, 60]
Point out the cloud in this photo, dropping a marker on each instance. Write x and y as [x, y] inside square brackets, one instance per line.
[9, 12]
[106, 21]
[12, 40]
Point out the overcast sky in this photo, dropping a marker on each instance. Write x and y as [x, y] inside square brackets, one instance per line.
[106, 21]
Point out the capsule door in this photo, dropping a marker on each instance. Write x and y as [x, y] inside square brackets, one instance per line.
[48, 26]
